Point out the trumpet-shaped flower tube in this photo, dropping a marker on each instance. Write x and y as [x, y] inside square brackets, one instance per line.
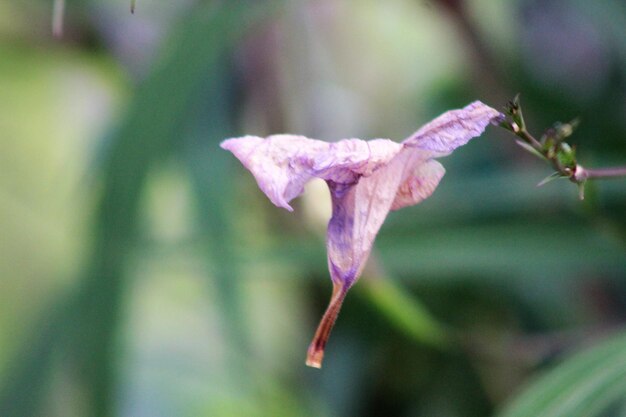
[366, 180]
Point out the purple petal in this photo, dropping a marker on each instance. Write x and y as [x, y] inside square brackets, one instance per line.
[452, 129]
[358, 213]
[410, 177]
[344, 162]
[366, 180]
[283, 164]
[419, 184]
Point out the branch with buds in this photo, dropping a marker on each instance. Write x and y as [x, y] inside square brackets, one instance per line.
[552, 148]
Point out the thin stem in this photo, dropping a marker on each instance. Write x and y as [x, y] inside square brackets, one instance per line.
[58, 11]
[597, 173]
[315, 353]
[552, 159]
[530, 139]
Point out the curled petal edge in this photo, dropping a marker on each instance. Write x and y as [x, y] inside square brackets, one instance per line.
[366, 180]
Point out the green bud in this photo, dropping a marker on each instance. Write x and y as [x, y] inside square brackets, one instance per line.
[514, 109]
[566, 156]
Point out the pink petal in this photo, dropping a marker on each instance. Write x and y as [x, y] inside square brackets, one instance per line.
[436, 139]
[283, 164]
[366, 180]
[358, 212]
[419, 184]
[410, 177]
[452, 129]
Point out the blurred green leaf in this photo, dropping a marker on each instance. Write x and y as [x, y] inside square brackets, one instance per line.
[208, 165]
[505, 251]
[404, 311]
[147, 135]
[582, 386]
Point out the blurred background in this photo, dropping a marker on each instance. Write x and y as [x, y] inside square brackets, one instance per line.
[144, 274]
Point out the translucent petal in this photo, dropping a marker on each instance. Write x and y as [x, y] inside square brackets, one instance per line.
[366, 179]
[282, 164]
[452, 129]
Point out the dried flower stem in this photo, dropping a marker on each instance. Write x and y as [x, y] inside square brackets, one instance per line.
[315, 353]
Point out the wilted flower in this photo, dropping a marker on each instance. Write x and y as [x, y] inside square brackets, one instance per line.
[366, 180]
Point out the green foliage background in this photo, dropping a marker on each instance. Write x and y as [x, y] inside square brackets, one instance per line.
[144, 274]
